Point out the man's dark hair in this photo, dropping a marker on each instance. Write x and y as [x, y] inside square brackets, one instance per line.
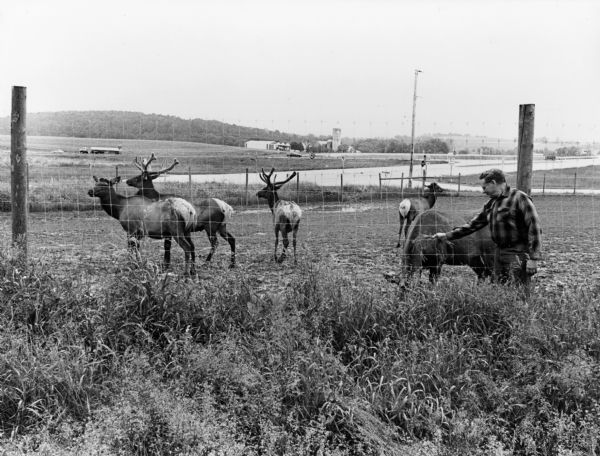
[493, 174]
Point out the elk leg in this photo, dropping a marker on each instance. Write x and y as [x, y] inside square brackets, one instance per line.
[213, 245]
[231, 240]
[185, 242]
[286, 243]
[400, 233]
[192, 248]
[434, 273]
[133, 245]
[294, 234]
[276, 242]
[167, 259]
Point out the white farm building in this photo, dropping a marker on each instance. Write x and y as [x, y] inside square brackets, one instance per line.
[260, 144]
[269, 145]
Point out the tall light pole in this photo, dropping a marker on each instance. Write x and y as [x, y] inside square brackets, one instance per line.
[412, 135]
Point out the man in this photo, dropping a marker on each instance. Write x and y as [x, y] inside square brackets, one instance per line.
[514, 225]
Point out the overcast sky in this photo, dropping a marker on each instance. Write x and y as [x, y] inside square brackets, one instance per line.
[308, 66]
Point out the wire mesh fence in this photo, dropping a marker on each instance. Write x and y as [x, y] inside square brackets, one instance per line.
[349, 199]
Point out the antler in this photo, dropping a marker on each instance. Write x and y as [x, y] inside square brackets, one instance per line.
[279, 184]
[138, 164]
[147, 162]
[144, 163]
[266, 178]
[166, 170]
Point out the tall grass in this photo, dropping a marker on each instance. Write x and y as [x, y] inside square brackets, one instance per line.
[143, 363]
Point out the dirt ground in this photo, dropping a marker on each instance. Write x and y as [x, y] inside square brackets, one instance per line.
[356, 240]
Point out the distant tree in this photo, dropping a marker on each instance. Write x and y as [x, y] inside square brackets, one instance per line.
[392, 147]
[314, 147]
[371, 145]
[434, 146]
[395, 146]
[294, 145]
[343, 148]
[567, 151]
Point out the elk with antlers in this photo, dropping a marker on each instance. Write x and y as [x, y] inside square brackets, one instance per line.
[212, 214]
[139, 216]
[143, 182]
[286, 214]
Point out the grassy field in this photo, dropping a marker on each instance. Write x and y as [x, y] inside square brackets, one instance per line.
[51, 157]
[325, 357]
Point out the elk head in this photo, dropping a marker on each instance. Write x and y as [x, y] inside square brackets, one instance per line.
[103, 185]
[146, 177]
[270, 191]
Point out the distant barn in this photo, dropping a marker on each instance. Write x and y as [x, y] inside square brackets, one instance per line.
[254, 144]
[100, 150]
[269, 145]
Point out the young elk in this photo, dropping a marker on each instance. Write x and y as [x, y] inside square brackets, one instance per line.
[409, 208]
[421, 251]
[212, 214]
[286, 214]
[140, 216]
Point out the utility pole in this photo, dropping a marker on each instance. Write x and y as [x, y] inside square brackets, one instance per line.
[412, 135]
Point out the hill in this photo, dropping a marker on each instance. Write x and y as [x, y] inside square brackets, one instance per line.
[137, 125]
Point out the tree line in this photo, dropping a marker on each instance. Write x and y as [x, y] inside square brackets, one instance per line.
[135, 125]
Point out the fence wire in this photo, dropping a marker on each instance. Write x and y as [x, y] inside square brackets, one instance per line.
[350, 200]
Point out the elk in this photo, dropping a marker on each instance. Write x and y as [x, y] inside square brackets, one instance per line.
[422, 251]
[409, 208]
[212, 214]
[286, 214]
[139, 216]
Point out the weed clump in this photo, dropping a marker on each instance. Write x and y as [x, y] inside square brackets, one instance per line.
[147, 363]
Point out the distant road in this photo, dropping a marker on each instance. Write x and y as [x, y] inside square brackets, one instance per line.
[370, 176]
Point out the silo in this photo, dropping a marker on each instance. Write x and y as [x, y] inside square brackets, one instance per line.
[337, 139]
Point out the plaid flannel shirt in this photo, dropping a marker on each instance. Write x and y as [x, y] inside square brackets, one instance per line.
[513, 222]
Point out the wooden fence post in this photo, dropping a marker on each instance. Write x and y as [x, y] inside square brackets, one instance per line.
[298, 187]
[575, 183]
[458, 191]
[525, 147]
[341, 188]
[380, 190]
[544, 185]
[246, 191]
[190, 180]
[18, 167]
